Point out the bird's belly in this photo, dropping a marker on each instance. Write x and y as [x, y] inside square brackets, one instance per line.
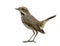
[28, 26]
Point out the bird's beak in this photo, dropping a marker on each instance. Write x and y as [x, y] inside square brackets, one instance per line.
[17, 8]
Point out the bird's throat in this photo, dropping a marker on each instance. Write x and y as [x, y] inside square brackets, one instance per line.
[22, 13]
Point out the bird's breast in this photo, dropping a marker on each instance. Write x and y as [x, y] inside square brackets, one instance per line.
[29, 27]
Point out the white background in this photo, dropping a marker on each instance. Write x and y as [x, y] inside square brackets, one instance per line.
[13, 32]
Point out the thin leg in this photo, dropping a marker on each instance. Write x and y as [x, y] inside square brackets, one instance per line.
[32, 35]
[35, 35]
[30, 38]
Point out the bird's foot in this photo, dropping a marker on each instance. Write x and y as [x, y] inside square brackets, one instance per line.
[29, 41]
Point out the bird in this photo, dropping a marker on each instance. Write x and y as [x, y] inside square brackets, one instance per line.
[32, 23]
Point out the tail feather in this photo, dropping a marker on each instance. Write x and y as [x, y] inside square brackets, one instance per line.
[50, 17]
[42, 23]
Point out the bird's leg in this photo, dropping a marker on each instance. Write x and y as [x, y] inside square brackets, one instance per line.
[35, 36]
[30, 37]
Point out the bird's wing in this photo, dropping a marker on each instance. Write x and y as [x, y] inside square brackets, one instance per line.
[34, 26]
[30, 22]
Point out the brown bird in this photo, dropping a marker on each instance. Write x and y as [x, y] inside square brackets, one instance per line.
[31, 22]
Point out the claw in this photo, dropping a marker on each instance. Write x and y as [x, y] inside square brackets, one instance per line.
[29, 41]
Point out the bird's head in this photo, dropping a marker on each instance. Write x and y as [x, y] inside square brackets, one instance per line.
[23, 10]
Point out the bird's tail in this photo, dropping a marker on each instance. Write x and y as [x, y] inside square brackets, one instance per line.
[42, 23]
[50, 18]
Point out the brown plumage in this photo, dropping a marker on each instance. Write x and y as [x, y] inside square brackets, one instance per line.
[31, 22]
